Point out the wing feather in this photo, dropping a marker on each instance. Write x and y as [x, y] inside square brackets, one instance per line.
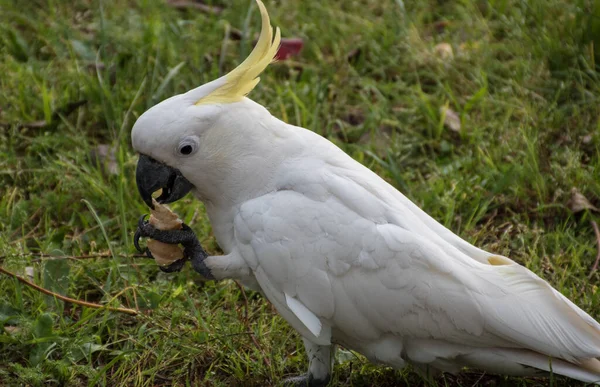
[371, 265]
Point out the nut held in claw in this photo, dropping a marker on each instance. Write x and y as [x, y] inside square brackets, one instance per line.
[163, 218]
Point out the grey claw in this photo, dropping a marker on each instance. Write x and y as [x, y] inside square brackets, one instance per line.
[306, 380]
[197, 255]
[295, 381]
[139, 233]
[142, 221]
[136, 240]
[174, 267]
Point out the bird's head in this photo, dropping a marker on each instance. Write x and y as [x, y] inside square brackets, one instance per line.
[194, 140]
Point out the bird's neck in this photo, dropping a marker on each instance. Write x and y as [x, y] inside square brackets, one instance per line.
[249, 148]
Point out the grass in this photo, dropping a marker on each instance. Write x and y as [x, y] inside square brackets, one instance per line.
[523, 82]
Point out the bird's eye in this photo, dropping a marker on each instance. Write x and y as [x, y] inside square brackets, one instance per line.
[188, 146]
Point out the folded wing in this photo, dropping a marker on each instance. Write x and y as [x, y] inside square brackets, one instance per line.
[370, 267]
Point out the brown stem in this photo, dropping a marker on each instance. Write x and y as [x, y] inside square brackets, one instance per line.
[67, 299]
[252, 336]
[42, 256]
[245, 300]
[259, 347]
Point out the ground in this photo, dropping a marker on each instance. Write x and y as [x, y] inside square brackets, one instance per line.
[485, 113]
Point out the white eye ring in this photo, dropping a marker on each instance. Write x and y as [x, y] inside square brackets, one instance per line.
[188, 146]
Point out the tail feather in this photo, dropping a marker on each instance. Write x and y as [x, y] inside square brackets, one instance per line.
[432, 355]
[520, 362]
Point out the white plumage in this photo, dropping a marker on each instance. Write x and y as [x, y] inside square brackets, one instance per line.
[347, 259]
[374, 268]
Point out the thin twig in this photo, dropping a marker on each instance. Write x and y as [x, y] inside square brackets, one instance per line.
[67, 299]
[30, 234]
[29, 221]
[47, 257]
[245, 300]
[252, 336]
[597, 261]
[259, 347]
[478, 380]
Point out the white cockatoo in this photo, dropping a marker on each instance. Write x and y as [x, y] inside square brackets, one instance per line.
[343, 256]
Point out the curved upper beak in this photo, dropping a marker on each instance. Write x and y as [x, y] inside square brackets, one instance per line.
[152, 175]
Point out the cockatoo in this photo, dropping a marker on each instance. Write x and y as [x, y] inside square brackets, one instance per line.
[344, 257]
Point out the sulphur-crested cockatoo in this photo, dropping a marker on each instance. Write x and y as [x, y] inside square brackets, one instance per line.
[343, 256]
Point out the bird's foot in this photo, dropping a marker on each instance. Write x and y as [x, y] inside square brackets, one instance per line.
[306, 380]
[184, 236]
[192, 250]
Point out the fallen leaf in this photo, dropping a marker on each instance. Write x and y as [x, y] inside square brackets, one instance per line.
[183, 4]
[62, 111]
[12, 330]
[444, 51]
[354, 117]
[440, 26]
[289, 47]
[34, 125]
[578, 202]
[353, 55]
[451, 119]
[401, 109]
[29, 272]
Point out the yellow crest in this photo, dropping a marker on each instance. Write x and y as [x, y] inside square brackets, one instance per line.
[240, 81]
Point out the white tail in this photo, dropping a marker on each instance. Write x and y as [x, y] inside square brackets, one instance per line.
[517, 362]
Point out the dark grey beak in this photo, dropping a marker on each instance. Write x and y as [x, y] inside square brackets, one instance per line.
[152, 175]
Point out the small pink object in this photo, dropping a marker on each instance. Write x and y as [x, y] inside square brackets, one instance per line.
[289, 47]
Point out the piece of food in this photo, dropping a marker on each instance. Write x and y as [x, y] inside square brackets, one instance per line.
[163, 218]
